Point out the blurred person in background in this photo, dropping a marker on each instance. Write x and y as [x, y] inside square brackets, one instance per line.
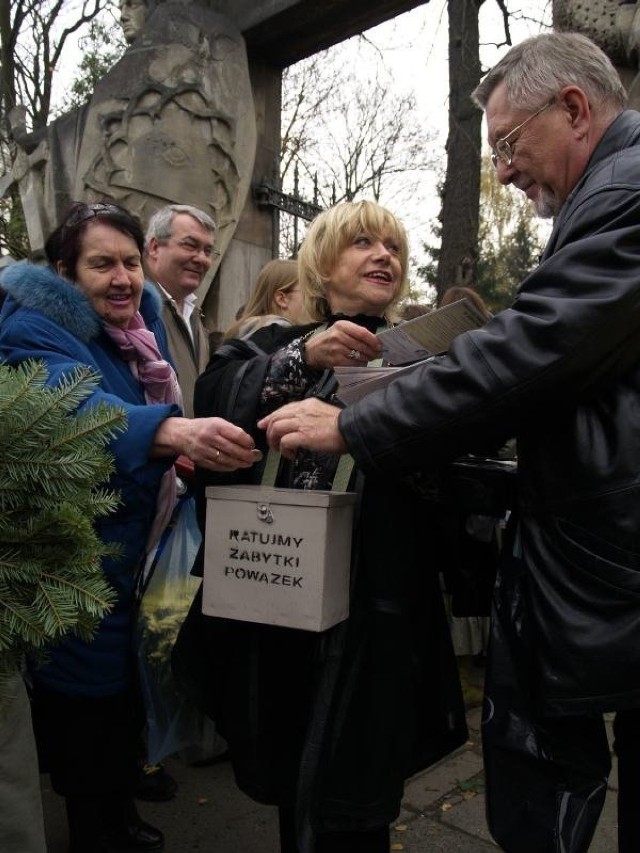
[276, 298]
[179, 246]
[178, 253]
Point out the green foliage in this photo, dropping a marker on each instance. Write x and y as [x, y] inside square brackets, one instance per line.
[509, 240]
[52, 465]
[13, 228]
[428, 271]
[101, 48]
[503, 266]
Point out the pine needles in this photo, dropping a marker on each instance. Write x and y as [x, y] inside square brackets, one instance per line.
[52, 464]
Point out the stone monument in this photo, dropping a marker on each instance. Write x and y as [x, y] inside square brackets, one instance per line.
[172, 121]
[614, 25]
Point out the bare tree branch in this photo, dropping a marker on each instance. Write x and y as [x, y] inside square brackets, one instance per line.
[33, 35]
[505, 22]
[346, 123]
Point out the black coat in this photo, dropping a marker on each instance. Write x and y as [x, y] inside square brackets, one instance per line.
[334, 721]
[561, 371]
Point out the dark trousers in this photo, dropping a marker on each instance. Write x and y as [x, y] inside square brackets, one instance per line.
[626, 730]
[88, 746]
[370, 841]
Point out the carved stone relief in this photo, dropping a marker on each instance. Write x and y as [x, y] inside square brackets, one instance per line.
[614, 25]
[173, 121]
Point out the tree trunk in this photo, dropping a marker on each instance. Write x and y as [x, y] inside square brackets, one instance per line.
[461, 192]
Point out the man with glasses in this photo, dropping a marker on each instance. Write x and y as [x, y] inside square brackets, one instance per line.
[178, 253]
[502, 149]
[560, 371]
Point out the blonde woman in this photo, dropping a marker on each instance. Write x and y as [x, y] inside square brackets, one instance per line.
[276, 298]
[328, 726]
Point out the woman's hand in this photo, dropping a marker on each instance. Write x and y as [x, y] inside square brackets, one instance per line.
[211, 443]
[309, 423]
[345, 344]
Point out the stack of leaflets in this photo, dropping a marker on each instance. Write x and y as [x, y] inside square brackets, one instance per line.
[408, 345]
[354, 383]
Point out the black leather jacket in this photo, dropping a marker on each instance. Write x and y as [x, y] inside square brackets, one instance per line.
[561, 371]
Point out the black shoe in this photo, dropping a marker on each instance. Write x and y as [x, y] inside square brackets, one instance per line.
[154, 784]
[137, 837]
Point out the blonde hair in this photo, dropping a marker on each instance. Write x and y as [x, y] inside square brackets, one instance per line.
[275, 276]
[329, 235]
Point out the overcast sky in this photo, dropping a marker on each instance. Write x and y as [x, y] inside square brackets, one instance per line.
[414, 48]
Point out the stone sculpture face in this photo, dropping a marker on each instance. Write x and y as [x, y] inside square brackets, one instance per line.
[133, 14]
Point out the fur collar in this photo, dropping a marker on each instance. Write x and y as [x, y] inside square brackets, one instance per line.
[41, 289]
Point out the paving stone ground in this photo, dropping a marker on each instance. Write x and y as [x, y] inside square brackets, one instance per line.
[442, 812]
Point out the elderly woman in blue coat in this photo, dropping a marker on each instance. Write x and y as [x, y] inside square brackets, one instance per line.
[90, 308]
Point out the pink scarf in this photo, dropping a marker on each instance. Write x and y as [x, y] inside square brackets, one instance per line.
[138, 347]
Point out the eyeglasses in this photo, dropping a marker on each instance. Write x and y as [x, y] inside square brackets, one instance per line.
[193, 247]
[502, 149]
[88, 211]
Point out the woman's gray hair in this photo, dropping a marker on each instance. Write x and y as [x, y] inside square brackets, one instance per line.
[535, 70]
[161, 222]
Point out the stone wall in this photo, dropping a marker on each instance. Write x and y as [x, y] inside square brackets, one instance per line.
[614, 25]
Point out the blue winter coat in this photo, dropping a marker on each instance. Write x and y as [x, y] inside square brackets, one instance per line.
[45, 317]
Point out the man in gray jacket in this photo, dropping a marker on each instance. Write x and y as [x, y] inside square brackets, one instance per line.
[560, 370]
[178, 253]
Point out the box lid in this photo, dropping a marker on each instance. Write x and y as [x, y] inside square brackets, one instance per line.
[275, 494]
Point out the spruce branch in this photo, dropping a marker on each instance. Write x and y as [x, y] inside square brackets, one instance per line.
[53, 469]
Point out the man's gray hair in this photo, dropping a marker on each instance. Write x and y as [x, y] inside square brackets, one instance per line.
[161, 222]
[535, 70]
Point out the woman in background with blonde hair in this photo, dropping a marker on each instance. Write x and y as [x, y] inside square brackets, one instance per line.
[276, 298]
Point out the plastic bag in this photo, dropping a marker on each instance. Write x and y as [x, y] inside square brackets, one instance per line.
[173, 723]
